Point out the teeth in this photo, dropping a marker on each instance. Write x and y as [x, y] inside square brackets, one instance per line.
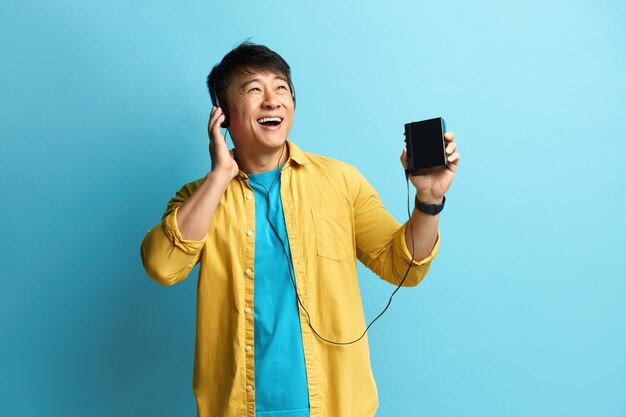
[270, 119]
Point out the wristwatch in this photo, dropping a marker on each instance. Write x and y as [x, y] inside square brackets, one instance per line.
[432, 209]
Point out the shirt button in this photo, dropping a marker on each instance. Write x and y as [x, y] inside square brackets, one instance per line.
[248, 271]
[248, 196]
[249, 232]
[248, 348]
[249, 388]
[248, 309]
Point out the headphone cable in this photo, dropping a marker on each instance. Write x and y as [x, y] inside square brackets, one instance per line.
[292, 273]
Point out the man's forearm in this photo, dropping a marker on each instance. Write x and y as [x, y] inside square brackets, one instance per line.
[195, 215]
[425, 228]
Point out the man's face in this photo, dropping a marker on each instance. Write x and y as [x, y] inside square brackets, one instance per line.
[260, 108]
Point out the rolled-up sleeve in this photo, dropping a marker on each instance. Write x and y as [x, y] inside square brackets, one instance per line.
[380, 238]
[403, 257]
[166, 256]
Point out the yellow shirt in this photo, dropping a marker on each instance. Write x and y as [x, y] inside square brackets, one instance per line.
[333, 216]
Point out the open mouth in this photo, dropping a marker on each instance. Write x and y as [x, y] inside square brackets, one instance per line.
[270, 121]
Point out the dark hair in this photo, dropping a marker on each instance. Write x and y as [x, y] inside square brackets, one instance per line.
[246, 58]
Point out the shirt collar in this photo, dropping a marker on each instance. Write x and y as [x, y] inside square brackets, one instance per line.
[296, 154]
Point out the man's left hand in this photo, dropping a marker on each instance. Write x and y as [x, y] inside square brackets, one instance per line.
[430, 188]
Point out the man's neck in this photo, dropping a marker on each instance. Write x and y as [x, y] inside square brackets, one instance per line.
[258, 163]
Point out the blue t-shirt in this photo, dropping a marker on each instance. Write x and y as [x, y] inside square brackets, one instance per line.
[279, 369]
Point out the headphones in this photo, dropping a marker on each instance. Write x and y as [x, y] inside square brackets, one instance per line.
[216, 102]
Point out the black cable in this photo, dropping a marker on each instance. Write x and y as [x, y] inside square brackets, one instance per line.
[292, 274]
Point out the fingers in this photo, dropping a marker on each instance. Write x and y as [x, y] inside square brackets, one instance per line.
[453, 161]
[217, 143]
[404, 158]
[215, 121]
[453, 155]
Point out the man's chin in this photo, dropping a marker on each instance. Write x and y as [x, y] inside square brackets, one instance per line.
[261, 144]
[272, 141]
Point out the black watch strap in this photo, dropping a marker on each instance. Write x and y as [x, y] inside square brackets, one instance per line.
[432, 209]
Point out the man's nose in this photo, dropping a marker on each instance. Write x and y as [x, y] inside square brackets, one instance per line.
[271, 100]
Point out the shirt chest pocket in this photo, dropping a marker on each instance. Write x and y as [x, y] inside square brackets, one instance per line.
[334, 232]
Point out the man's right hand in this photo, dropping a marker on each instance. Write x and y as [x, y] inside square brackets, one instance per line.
[195, 215]
[222, 160]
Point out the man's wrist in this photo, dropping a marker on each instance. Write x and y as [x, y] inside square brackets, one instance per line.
[218, 178]
[428, 199]
[430, 208]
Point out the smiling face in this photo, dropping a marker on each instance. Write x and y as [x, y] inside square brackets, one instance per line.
[260, 109]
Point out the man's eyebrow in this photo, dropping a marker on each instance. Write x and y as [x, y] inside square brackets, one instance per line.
[246, 83]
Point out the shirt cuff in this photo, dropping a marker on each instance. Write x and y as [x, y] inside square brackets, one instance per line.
[171, 230]
[400, 247]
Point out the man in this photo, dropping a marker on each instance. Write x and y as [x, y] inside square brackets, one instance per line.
[277, 232]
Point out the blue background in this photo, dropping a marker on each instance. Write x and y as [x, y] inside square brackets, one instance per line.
[103, 114]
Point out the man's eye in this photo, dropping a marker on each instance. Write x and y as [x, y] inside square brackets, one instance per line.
[283, 87]
[254, 89]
